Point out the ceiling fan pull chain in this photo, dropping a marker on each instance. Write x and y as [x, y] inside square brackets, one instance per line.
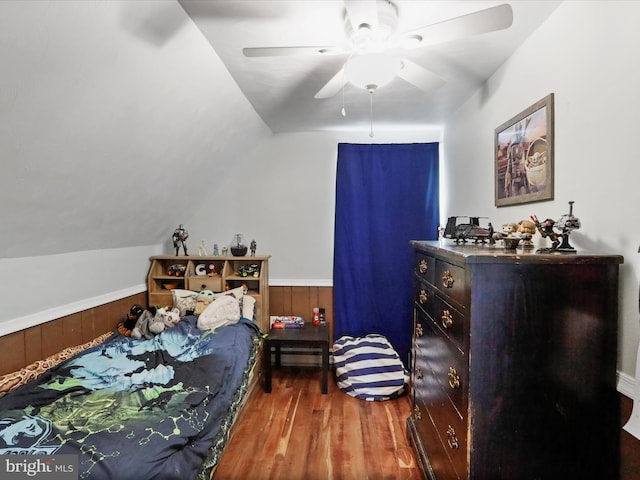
[371, 90]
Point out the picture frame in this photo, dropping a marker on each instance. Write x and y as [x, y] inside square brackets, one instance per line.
[524, 158]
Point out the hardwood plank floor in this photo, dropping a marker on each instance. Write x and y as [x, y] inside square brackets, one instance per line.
[296, 433]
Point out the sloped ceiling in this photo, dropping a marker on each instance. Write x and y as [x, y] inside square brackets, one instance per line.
[282, 89]
[107, 112]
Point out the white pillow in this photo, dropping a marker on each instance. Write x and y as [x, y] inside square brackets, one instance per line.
[248, 306]
[184, 300]
[224, 310]
[237, 292]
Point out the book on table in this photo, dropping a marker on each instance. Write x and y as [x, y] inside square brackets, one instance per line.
[290, 321]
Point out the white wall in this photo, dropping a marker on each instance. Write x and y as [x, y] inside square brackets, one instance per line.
[283, 196]
[42, 288]
[109, 113]
[586, 54]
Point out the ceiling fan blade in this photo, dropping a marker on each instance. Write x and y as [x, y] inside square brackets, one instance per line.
[332, 87]
[483, 21]
[361, 11]
[419, 76]
[291, 51]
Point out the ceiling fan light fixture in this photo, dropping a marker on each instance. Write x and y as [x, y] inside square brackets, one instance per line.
[372, 69]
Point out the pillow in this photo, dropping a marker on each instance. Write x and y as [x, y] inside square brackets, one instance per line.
[224, 310]
[237, 292]
[248, 304]
[184, 300]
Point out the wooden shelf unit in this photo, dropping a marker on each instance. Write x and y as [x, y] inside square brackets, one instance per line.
[198, 276]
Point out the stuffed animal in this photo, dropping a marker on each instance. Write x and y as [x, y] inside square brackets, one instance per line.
[149, 324]
[128, 324]
[204, 298]
[169, 317]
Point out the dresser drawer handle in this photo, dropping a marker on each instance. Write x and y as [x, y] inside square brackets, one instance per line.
[416, 413]
[447, 279]
[447, 319]
[423, 296]
[419, 331]
[454, 378]
[452, 439]
[423, 267]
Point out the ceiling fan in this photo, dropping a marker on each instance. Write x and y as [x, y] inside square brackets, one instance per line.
[375, 48]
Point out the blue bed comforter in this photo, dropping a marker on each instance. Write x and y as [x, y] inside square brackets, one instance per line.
[134, 409]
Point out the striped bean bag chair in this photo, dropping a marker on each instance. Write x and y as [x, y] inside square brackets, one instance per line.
[369, 368]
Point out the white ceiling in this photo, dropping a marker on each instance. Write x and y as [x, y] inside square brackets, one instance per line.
[282, 89]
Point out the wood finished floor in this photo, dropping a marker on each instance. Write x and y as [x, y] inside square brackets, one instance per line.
[296, 433]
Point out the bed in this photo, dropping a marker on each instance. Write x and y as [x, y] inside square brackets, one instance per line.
[158, 408]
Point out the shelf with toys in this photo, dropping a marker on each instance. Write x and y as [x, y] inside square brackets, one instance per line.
[216, 273]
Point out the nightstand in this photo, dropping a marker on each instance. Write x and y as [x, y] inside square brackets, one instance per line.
[309, 336]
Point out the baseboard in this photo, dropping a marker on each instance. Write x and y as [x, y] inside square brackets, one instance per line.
[626, 385]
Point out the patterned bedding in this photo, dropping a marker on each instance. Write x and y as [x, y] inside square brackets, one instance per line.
[137, 409]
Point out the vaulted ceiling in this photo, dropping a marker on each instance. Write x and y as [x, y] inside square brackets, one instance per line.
[282, 88]
[109, 110]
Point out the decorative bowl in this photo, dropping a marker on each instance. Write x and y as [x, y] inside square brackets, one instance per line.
[239, 251]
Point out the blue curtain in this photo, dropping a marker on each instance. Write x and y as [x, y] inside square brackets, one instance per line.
[386, 195]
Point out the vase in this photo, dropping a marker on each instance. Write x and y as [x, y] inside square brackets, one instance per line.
[238, 245]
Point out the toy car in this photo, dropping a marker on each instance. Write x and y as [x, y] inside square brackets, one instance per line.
[251, 270]
[461, 232]
[176, 270]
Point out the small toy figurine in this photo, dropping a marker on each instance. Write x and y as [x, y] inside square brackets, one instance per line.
[202, 249]
[225, 249]
[180, 236]
[216, 252]
[253, 248]
[567, 223]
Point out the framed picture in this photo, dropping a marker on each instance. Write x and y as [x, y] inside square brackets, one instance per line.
[524, 156]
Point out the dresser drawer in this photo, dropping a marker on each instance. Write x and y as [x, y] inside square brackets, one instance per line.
[449, 367]
[423, 297]
[449, 279]
[442, 430]
[439, 460]
[199, 283]
[425, 267]
[452, 432]
[450, 322]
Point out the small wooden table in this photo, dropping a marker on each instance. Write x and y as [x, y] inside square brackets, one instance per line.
[307, 336]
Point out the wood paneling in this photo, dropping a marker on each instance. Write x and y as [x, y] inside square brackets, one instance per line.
[300, 301]
[35, 343]
[21, 348]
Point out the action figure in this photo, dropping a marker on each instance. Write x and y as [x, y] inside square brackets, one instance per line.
[567, 223]
[546, 230]
[216, 252]
[253, 248]
[180, 236]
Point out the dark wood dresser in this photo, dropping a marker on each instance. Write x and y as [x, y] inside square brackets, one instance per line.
[513, 371]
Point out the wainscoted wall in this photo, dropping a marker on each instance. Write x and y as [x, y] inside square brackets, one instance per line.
[35, 343]
[300, 301]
